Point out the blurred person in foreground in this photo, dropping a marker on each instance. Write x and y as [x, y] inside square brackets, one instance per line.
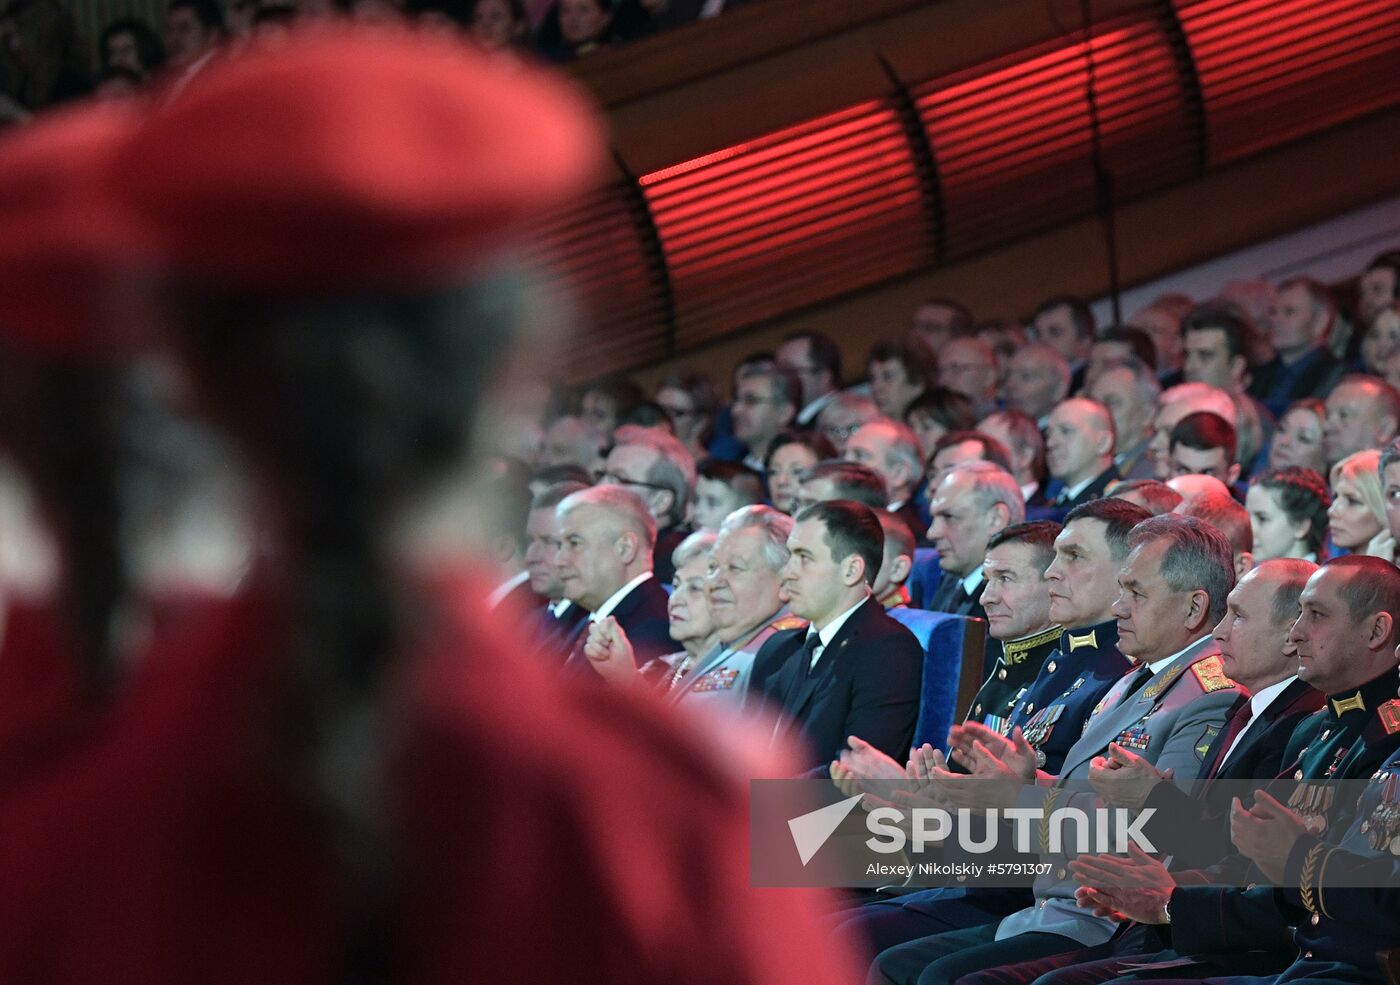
[241, 812]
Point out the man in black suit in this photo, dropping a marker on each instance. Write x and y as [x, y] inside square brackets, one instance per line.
[559, 619]
[854, 670]
[1079, 442]
[606, 538]
[974, 501]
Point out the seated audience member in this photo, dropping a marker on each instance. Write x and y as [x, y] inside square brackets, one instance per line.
[853, 670]
[193, 29]
[899, 375]
[1218, 345]
[1299, 323]
[1379, 285]
[1288, 513]
[968, 366]
[610, 652]
[1019, 434]
[1129, 389]
[1362, 412]
[1079, 445]
[651, 415]
[132, 44]
[1066, 323]
[1204, 444]
[499, 25]
[1223, 512]
[815, 359]
[935, 413]
[551, 475]
[841, 416]
[604, 562]
[1298, 437]
[1037, 379]
[1006, 339]
[1161, 320]
[1153, 496]
[790, 455]
[826, 481]
[972, 503]
[720, 489]
[938, 321]
[1356, 519]
[892, 451]
[574, 28]
[689, 398]
[765, 402]
[1170, 557]
[1115, 347]
[1020, 634]
[895, 563]
[508, 506]
[560, 618]
[744, 592]
[1389, 466]
[957, 447]
[572, 441]
[1194, 484]
[657, 467]
[1381, 341]
[606, 403]
[1174, 404]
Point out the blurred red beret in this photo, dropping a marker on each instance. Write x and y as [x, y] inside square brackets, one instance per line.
[57, 235]
[352, 157]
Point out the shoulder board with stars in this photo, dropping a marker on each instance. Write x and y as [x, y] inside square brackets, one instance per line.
[1389, 715]
[1211, 673]
[788, 622]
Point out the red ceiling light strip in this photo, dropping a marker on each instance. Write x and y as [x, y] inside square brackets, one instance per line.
[738, 223]
[1273, 70]
[1013, 145]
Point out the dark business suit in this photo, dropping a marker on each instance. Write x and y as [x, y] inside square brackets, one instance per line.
[642, 615]
[914, 520]
[952, 598]
[1092, 491]
[866, 683]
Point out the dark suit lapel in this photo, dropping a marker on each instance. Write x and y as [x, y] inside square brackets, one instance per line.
[831, 655]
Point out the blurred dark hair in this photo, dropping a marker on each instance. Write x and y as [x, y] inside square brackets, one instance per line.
[149, 48]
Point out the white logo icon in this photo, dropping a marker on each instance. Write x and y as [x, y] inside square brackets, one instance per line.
[810, 831]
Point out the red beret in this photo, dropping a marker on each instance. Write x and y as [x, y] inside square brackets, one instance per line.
[352, 156]
[57, 235]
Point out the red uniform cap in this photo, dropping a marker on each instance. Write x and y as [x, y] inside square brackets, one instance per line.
[339, 158]
[352, 157]
[57, 236]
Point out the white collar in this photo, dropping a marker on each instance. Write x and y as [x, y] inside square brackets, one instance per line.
[1072, 492]
[605, 610]
[505, 588]
[557, 608]
[972, 579]
[1157, 666]
[1029, 489]
[1265, 696]
[809, 413]
[833, 627]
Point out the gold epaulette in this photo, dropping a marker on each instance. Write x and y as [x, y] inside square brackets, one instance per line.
[1389, 714]
[1211, 674]
[1031, 642]
[788, 622]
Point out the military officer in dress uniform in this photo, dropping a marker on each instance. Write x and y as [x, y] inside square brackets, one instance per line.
[1345, 637]
[1172, 592]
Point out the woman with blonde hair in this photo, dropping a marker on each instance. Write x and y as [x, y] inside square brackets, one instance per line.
[1356, 517]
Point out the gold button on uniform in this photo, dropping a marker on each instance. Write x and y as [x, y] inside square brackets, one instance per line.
[1001, 674]
[1050, 667]
[977, 710]
[1297, 774]
[1060, 873]
[1314, 919]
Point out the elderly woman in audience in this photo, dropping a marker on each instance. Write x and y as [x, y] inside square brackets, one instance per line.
[1298, 438]
[691, 625]
[1357, 514]
[792, 454]
[1288, 513]
[690, 399]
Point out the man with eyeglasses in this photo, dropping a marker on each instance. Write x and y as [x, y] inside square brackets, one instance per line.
[815, 359]
[656, 467]
[765, 402]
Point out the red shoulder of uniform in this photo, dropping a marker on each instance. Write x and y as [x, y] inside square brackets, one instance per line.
[788, 622]
[1210, 672]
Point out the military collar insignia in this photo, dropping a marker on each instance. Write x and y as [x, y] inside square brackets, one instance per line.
[1343, 705]
[1088, 639]
[1389, 714]
[1014, 647]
